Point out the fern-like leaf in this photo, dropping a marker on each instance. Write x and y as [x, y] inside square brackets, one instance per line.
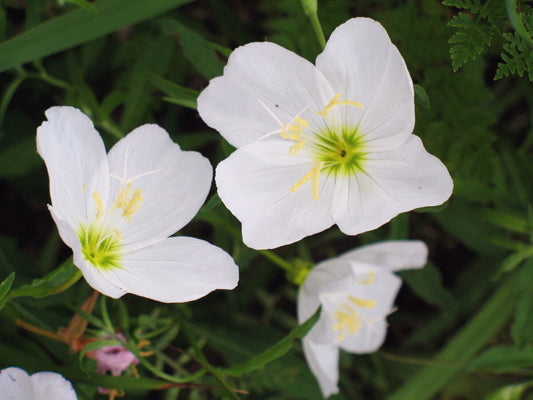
[518, 58]
[470, 40]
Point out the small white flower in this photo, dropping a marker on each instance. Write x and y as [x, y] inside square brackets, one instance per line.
[356, 291]
[16, 384]
[116, 211]
[320, 145]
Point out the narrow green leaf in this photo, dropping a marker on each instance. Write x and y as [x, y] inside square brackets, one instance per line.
[177, 94]
[4, 289]
[9, 91]
[55, 282]
[78, 27]
[421, 97]
[84, 4]
[3, 21]
[505, 220]
[196, 49]
[516, 259]
[510, 392]
[503, 358]
[156, 60]
[276, 351]
[424, 384]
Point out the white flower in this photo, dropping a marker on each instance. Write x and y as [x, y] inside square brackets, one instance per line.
[356, 291]
[320, 145]
[16, 384]
[116, 211]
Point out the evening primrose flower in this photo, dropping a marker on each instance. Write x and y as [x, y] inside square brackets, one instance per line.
[116, 211]
[16, 384]
[320, 145]
[356, 291]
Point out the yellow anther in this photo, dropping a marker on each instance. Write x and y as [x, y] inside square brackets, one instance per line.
[99, 206]
[297, 147]
[362, 302]
[368, 280]
[292, 128]
[314, 174]
[335, 102]
[301, 121]
[117, 234]
[347, 320]
[129, 200]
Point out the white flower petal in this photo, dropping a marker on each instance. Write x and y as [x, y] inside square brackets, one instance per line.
[16, 384]
[95, 277]
[52, 386]
[329, 276]
[393, 182]
[363, 65]
[178, 269]
[285, 82]
[255, 184]
[76, 161]
[394, 255]
[369, 338]
[323, 361]
[174, 183]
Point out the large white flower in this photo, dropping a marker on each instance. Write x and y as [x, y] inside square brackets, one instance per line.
[16, 384]
[116, 211]
[356, 291]
[320, 145]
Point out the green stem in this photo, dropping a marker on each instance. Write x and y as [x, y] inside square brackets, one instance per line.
[277, 260]
[310, 9]
[471, 339]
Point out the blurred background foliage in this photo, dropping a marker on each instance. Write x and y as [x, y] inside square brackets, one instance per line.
[464, 325]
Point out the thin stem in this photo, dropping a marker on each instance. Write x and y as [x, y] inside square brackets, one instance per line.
[277, 260]
[310, 8]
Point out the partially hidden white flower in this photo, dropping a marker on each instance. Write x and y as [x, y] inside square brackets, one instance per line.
[16, 384]
[117, 211]
[320, 145]
[356, 291]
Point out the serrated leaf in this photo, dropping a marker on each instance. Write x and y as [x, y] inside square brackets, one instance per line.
[4, 289]
[276, 351]
[78, 27]
[55, 282]
[503, 358]
[470, 39]
[516, 20]
[196, 49]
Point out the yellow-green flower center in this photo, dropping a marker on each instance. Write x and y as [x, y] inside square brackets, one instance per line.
[341, 151]
[100, 247]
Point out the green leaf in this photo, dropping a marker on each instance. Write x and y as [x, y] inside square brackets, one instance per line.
[503, 358]
[4, 289]
[510, 392]
[196, 49]
[55, 282]
[155, 59]
[511, 7]
[276, 351]
[516, 259]
[421, 96]
[83, 4]
[78, 27]
[177, 94]
[506, 220]
[19, 158]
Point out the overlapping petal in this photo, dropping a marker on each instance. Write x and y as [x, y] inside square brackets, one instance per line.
[174, 183]
[362, 64]
[323, 360]
[255, 184]
[255, 73]
[392, 182]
